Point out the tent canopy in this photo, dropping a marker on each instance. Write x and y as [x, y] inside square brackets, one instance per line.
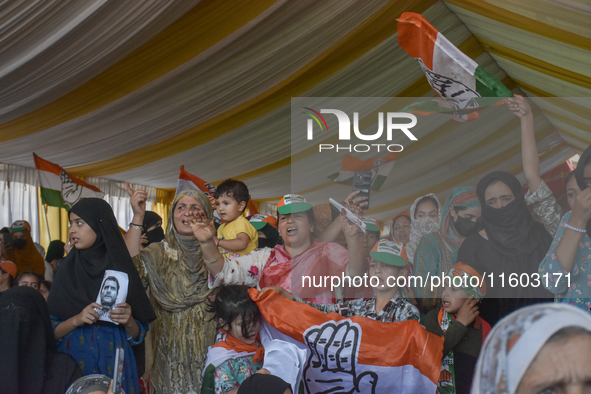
[130, 91]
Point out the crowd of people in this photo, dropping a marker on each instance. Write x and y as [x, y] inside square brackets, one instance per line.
[177, 301]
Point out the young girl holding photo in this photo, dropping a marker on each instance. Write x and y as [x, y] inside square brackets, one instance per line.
[98, 246]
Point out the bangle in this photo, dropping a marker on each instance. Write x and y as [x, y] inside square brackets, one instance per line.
[213, 261]
[578, 230]
[218, 245]
[136, 226]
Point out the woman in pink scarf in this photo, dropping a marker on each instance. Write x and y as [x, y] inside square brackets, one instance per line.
[291, 264]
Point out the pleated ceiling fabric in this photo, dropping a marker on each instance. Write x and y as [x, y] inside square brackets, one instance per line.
[130, 91]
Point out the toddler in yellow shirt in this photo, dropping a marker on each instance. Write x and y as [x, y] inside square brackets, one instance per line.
[236, 236]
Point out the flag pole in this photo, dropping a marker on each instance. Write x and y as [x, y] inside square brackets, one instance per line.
[45, 207]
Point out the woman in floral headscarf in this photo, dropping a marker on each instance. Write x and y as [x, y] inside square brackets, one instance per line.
[544, 348]
[437, 252]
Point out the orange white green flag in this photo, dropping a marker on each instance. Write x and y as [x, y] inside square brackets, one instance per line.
[188, 181]
[60, 189]
[355, 354]
[452, 74]
[378, 169]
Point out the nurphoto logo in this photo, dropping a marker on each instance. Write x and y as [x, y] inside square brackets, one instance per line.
[344, 122]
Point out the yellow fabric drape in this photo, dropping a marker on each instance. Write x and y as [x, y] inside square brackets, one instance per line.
[164, 198]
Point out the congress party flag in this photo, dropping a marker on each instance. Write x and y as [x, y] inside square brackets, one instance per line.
[451, 74]
[377, 169]
[188, 181]
[60, 189]
[355, 354]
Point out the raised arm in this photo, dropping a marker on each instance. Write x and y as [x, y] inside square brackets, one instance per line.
[357, 259]
[138, 205]
[529, 149]
[333, 230]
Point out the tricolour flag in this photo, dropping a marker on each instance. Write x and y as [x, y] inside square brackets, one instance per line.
[188, 181]
[355, 354]
[452, 75]
[60, 189]
[377, 169]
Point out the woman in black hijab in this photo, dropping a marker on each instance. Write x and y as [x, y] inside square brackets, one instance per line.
[152, 229]
[30, 361]
[510, 244]
[98, 246]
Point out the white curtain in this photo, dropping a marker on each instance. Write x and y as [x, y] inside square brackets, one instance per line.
[18, 197]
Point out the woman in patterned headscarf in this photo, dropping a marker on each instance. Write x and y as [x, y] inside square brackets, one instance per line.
[437, 252]
[176, 276]
[425, 218]
[539, 348]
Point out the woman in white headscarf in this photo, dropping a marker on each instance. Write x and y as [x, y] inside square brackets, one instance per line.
[543, 348]
[425, 218]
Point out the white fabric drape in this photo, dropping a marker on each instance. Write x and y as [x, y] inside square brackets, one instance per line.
[18, 197]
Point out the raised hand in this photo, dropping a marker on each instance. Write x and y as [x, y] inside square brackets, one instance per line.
[138, 200]
[468, 312]
[351, 199]
[203, 228]
[332, 361]
[354, 205]
[519, 106]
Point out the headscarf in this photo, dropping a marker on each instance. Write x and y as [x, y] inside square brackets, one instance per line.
[28, 344]
[420, 227]
[511, 229]
[151, 219]
[404, 213]
[178, 280]
[55, 251]
[459, 197]
[177, 273]
[28, 258]
[579, 176]
[272, 237]
[515, 341]
[79, 279]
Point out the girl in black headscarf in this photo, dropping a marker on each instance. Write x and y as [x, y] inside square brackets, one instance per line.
[98, 246]
[29, 360]
[511, 244]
